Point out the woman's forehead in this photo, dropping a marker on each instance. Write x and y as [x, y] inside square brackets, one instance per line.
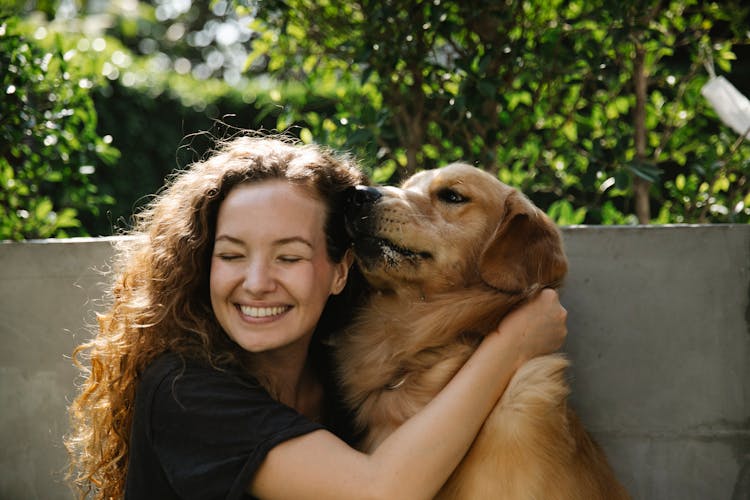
[275, 206]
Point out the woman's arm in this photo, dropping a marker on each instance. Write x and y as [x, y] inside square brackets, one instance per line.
[419, 456]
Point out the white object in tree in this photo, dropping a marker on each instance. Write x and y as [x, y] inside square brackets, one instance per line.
[732, 107]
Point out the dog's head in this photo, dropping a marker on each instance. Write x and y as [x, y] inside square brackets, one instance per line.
[453, 227]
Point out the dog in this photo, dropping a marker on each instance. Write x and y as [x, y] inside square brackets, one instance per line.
[447, 255]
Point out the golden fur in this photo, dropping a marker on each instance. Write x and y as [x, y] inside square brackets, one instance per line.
[447, 255]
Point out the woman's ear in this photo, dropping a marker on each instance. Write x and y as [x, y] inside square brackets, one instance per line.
[341, 272]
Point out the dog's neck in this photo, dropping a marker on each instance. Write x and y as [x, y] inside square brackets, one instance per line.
[407, 332]
[415, 325]
[442, 316]
[416, 293]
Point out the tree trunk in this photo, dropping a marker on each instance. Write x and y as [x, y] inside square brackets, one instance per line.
[640, 185]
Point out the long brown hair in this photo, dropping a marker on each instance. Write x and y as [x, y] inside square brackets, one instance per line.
[159, 296]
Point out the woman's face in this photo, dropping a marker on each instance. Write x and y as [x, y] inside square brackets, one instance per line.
[270, 272]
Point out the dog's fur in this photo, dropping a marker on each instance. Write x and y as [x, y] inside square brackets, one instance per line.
[447, 255]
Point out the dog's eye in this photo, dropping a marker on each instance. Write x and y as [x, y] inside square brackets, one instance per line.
[449, 195]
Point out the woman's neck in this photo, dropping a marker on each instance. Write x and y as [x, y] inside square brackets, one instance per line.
[291, 378]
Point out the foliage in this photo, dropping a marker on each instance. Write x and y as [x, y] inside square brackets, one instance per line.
[49, 146]
[150, 111]
[157, 135]
[542, 93]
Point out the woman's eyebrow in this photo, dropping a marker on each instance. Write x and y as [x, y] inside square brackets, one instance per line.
[293, 239]
[230, 239]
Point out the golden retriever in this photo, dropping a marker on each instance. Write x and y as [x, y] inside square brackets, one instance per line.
[447, 255]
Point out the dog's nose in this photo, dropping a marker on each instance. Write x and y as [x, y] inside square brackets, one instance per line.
[361, 196]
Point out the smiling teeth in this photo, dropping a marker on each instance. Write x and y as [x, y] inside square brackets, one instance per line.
[262, 312]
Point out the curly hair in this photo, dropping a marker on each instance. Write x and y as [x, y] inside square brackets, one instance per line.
[159, 296]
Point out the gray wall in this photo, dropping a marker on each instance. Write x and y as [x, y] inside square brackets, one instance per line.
[659, 321]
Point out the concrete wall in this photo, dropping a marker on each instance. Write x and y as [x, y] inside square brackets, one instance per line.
[659, 321]
[47, 291]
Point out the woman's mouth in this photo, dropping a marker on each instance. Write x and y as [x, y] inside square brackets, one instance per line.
[263, 312]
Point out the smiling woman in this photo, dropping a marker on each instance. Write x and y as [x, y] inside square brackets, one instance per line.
[271, 275]
[230, 267]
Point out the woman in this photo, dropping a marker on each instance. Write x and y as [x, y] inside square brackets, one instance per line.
[208, 378]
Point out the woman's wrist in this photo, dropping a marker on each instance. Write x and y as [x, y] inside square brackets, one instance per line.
[507, 342]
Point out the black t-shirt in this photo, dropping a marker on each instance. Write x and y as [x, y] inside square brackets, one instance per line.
[201, 433]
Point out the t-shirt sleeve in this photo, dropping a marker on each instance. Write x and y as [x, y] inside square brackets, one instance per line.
[211, 430]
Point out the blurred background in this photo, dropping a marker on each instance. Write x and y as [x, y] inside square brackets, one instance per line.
[592, 107]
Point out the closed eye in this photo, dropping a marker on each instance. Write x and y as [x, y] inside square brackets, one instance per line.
[289, 259]
[450, 195]
[228, 256]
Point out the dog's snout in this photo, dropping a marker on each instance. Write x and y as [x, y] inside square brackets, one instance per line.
[361, 196]
[359, 201]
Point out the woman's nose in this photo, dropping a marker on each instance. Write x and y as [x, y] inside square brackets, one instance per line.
[259, 277]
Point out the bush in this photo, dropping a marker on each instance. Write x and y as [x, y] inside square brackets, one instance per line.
[49, 147]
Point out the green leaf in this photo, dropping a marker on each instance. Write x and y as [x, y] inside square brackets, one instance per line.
[43, 209]
[563, 213]
[570, 130]
[645, 170]
[67, 217]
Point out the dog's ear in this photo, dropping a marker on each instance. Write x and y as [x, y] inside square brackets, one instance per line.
[525, 250]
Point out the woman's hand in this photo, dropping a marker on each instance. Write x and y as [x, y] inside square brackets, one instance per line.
[538, 326]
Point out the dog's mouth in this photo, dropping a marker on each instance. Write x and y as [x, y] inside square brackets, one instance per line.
[361, 224]
[371, 249]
